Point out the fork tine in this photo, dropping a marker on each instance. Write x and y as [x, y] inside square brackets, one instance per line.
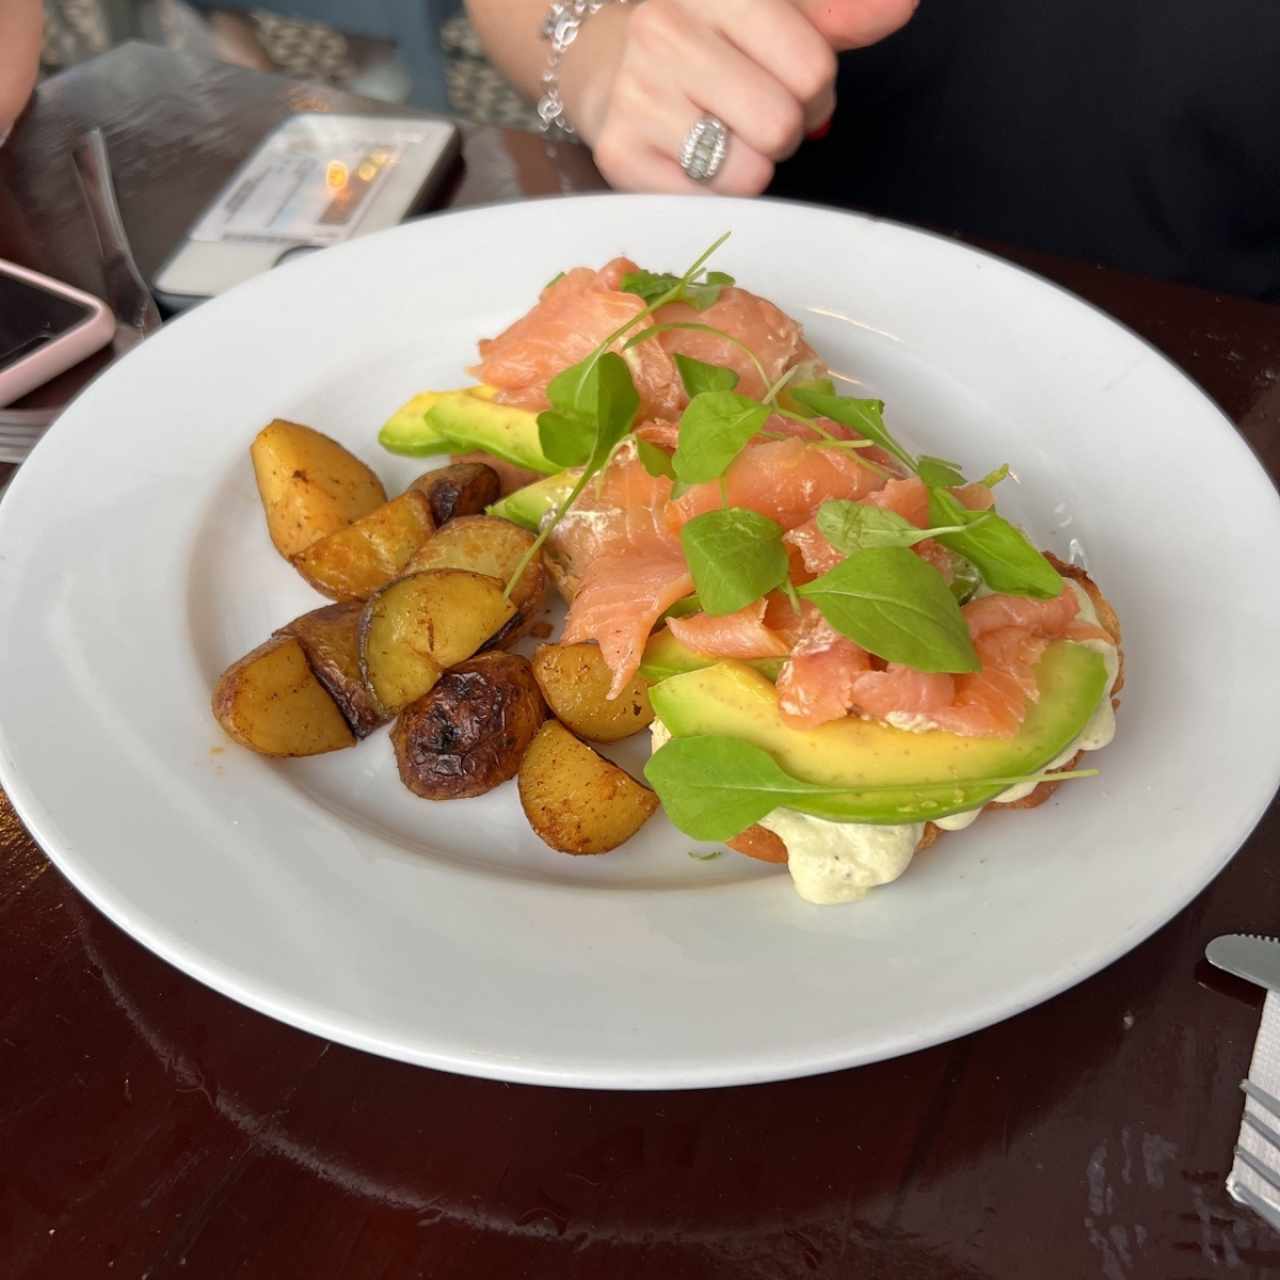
[1268, 1175]
[1261, 1127]
[1264, 1099]
[1264, 1209]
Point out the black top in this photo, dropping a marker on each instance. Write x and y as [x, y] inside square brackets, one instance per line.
[1143, 134]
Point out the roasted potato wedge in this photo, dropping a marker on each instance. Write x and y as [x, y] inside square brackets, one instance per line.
[356, 561]
[575, 800]
[414, 628]
[471, 731]
[272, 703]
[309, 484]
[485, 544]
[575, 681]
[330, 639]
[463, 489]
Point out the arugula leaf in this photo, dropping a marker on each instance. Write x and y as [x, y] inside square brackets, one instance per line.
[898, 607]
[938, 471]
[656, 461]
[854, 526]
[713, 430]
[714, 788]
[735, 556]
[866, 417]
[1001, 552]
[993, 478]
[698, 376]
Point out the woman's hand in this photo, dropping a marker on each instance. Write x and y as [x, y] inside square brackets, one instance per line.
[639, 77]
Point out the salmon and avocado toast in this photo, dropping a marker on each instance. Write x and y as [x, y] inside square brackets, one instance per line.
[848, 648]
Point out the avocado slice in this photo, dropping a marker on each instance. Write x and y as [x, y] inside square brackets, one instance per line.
[732, 700]
[407, 432]
[664, 657]
[527, 506]
[471, 422]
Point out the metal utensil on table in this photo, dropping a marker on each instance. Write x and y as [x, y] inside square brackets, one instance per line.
[127, 294]
[1256, 959]
[1249, 956]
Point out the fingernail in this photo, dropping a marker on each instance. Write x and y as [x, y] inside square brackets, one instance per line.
[816, 135]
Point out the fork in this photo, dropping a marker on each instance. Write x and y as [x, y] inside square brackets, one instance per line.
[1263, 1208]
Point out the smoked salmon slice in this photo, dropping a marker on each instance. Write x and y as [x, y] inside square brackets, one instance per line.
[744, 634]
[573, 315]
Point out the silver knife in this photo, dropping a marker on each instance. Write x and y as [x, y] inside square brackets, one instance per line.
[1248, 956]
[130, 299]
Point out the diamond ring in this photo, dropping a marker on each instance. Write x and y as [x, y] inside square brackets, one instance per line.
[704, 148]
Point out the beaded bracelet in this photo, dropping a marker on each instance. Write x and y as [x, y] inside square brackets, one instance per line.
[560, 29]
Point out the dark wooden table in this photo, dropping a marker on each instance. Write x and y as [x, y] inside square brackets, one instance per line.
[152, 1128]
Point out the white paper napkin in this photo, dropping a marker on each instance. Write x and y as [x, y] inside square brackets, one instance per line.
[1244, 1184]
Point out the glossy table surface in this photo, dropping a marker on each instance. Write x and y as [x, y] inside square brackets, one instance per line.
[153, 1128]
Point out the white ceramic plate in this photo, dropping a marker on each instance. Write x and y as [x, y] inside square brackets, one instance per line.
[134, 566]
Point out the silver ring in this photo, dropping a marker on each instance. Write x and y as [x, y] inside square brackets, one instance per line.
[704, 149]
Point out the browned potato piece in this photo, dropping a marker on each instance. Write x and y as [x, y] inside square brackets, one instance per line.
[575, 800]
[575, 681]
[414, 628]
[271, 702]
[310, 485]
[471, 731]
[356, 561]
[330, 639]
[463, 489]
[486, 544]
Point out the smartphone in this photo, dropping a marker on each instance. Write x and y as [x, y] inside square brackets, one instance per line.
[45, 328]
[317, 180]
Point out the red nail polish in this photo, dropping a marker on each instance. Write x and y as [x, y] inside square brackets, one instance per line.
[816, 135]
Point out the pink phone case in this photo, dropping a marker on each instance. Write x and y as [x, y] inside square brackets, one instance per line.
[67, 349]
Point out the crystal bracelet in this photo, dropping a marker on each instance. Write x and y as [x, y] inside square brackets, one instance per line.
[560, 29]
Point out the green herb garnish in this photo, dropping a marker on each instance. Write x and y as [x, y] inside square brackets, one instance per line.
[993, 478]
[714, 788]
[898, 607]
[938, 471]
[735, 556]
[1004, 557]
[656, 461]
[866, 417]
[698, 293]
[698, 376]
[714, 429]
[855, 526]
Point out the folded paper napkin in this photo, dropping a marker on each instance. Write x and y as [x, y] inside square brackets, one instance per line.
[1245, 1183]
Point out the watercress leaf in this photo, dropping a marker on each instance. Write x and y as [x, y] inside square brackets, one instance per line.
[866, 417]
[735, 556]
[1001, 552]
[938, 471]
[993, 478]
[616, 403]
[657, 462]
[566, 438]
[714, 787]
[555, 279]
[713, 430]
[787, 400]
[573, 390]
[701, 296]
[698, 376]
[898, 607]
[851, 526]
[719, 277]
[965, 578]
[649, 284]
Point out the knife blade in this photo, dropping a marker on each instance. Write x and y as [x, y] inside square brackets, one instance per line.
[130, 299]
[1248, 956]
